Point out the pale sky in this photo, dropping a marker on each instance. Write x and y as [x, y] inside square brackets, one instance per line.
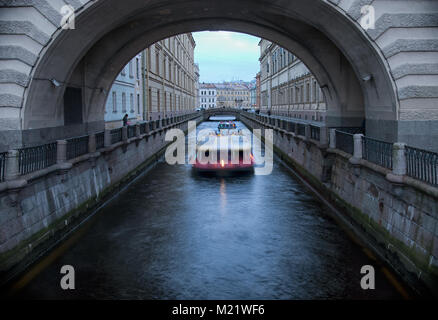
[226, 56]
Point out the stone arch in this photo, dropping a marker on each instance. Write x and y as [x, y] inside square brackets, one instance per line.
[349, 62]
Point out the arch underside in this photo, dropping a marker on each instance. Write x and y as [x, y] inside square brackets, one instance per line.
[109, 33]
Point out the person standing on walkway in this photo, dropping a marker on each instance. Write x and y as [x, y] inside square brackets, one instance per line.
[125, 120]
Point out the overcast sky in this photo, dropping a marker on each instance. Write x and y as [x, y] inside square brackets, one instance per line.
[226, 56]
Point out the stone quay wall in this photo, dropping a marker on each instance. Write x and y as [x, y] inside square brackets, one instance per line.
[43, 206]
[396, 218]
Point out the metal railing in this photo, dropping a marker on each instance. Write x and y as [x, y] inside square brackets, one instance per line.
[100, 140]
[131, 131]
[2, 165]
[77, 147]
[315, 133]
[31, 159]
[378, 152]
[116, 135]
[422, 165]
[351, 130]
[344, 141]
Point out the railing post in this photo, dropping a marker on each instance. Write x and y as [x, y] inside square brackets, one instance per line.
[12, 169]
[357, 139]
[125, 133]
[137, 130]
[399, 159]
[332, 139]
[399, 166]
[61, 151]
[92, 143]
[107, 138]
[147, 128]
[357, 151]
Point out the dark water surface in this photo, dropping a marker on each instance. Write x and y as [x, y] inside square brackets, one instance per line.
[177, 235]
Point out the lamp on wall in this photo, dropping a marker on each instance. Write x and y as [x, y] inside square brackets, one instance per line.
[367, 77]
[55, 83]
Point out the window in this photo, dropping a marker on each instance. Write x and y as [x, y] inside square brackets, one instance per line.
[137, 69]
[131, 102]
[123, 102]
[114, 101]
[158, 100]
[131, 72]
[157, 63]
[123, 72]
[138, 103]
[314, 91]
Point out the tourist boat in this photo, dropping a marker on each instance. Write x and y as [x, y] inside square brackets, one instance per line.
[226, 125]
[233, 154]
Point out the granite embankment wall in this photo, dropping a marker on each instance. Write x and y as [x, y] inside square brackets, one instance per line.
[41, 207]
[399, 221]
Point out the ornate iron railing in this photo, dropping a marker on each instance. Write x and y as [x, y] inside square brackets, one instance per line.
[301, 129]
[315, 133]
[31, 159]
[378, 152]
[2, 165]
[116, 135]
[344, 141]
[100, 140]
[351, 130]
[422, 165]
[131, 131]
[77, 147]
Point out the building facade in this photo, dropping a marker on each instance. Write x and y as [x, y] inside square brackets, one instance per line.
[287, 87]
[170, 77]
[160, 81]
[197, 100]
[126, 95]
[253, 95]
[207, 95]
[258, 92]
[227, 94]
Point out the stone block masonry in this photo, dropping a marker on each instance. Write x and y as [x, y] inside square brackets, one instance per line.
[398, 220]
[34, 217]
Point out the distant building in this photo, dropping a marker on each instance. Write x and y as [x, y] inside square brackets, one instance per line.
[207, 95]
[253, 95]
[287, 86]
[226, 94]
[125, 96]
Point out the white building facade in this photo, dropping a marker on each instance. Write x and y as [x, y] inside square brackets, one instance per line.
[207, 95]
[287, 87]
[125, 96]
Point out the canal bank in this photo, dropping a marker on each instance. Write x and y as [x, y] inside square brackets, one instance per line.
[366, 203]
[52, 202]
[176, 235]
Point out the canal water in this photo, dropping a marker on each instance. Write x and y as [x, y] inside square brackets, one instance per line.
[177, 235]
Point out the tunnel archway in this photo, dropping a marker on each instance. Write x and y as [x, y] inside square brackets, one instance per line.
[352, 72]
